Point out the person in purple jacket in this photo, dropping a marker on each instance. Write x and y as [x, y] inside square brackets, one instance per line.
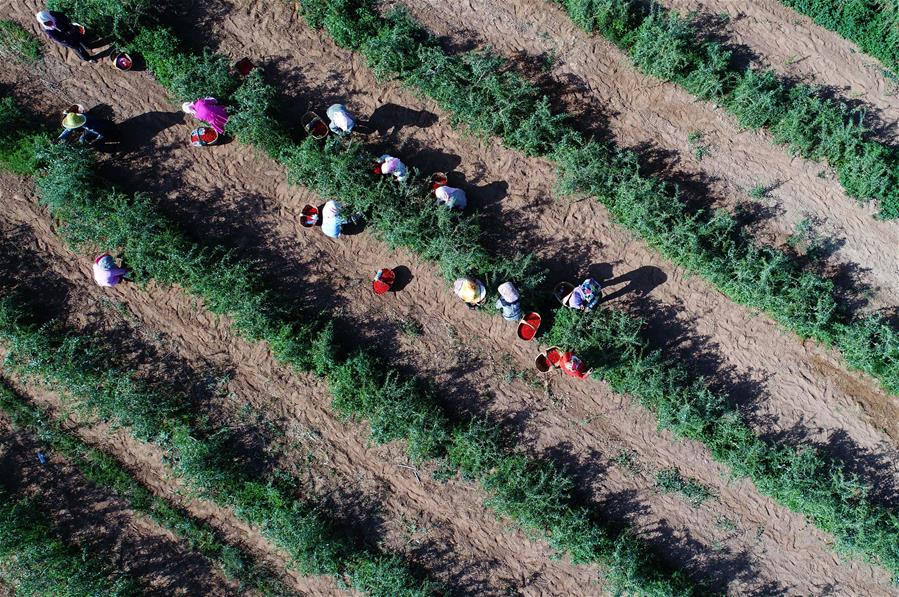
[106, 273]
[63, 31]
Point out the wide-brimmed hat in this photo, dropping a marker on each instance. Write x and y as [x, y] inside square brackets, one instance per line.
[470, 290]
[73, 120]
[188, 108]
[46, 19]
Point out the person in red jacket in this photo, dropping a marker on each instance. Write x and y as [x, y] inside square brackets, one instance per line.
[573, 366]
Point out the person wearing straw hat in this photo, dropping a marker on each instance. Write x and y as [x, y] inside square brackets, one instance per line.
[451, 197]
[63, 31]
[470, 290]
[341, 122]
[391, 165]
[106, 273]
[94, 130]
[509, 302]
[209, 111]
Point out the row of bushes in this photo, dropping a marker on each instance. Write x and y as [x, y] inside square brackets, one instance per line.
[667, 46]
[481, 91]
[872, 24]
[341, 172]
[106, 472]
[209, 460]
[35, 561]
[530, 492]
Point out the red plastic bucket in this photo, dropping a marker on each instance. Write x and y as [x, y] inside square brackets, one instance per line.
[123, 61]
[309, 216]
[542, 363]
[554, 356]
[203, 136]
[384, 279]
[528, 326]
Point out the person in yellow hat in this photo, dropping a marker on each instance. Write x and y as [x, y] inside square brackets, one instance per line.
[94, 130]
[470, 290]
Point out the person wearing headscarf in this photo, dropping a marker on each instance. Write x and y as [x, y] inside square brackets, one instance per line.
[332, 219]
[451, 197]
[573, 366]
[509, 302]
[94, 130]
[209, 111]
[61, 30]
[341, 122]
[470, 290]
[106, 273]
[584, 297]
[391, 165]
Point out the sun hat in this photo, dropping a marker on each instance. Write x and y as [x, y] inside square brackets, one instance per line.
[343, 121]
[470, 290]
[188, 108]
[73, 120]
[105, 261]
[45, 18]
[508, 291]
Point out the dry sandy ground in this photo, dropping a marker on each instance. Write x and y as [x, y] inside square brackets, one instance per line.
[154, 557]
[225, 191]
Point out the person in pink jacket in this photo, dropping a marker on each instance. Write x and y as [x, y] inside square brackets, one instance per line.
[106, 273]
[209, 111]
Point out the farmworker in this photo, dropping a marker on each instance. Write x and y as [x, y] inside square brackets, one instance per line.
[209, 111]
[341, 122]
[584, 297]
[105, 271]
[94, 130]
[391, 165]
[573, 366]
[332, 219]
[509, 302]
[470, 290]
[451, 197]
[63, 31]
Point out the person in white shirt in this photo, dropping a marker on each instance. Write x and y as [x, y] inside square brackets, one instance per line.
[391, 165]
[341, 122]
[451, 197]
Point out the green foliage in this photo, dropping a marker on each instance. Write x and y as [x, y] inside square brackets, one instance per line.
[20, 138]
[872, 24]
[119, 18]
[104, 471]
[670, 480]
[18, 43]
[35, 561]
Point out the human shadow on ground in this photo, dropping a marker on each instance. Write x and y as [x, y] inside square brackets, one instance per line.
[640, 281]
[389, 119]
[141, 129]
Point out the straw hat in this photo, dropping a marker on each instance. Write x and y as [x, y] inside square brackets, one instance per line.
[470, 290]
[74, 120]
[508, 291]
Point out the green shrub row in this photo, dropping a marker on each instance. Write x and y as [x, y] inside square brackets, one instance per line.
[665, 45]
[20, 138]
[872, 24]
[340, 172]
[803, 479]
[106, 472]
[34, 560]
[530, 492]
[19, 44]
[207, 459]
[481, 91]
[118, 18]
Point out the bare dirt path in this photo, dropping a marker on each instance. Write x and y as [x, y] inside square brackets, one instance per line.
[601, 88]
[238, 200]
[158, 560]
[791, 44]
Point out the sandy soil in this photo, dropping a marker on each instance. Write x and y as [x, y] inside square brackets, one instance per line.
[600, 86]
[151, 555]
[770, 550]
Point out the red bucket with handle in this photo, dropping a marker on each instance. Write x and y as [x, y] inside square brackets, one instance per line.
[384, 279]
[309, 216]
[528, 326]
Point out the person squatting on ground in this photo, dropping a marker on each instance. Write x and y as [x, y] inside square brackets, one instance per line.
[209, 111]
[574, 366]
[451, 197]
[332, 219]
[106, 273]
[63, 31]
[342, 123]
[470, 290]
[391, 165]
[94, 130]
[584, 297]
[509, 302]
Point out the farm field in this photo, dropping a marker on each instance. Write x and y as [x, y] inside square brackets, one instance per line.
[414, 521]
